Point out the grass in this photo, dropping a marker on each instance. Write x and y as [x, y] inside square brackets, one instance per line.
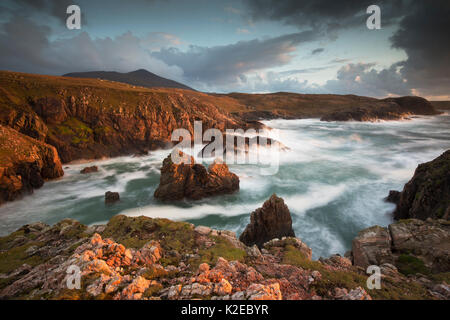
[12, 259]
[408, 264]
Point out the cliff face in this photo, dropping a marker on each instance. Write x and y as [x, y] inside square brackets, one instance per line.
[89, 118]
[24, 164]
[427, 194]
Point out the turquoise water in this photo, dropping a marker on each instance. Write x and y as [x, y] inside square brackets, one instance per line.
[333, 179]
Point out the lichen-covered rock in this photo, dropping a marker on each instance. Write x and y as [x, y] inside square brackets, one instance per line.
[272, 220]
[187, 179]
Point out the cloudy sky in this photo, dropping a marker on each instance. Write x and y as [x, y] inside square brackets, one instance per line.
[309, 46]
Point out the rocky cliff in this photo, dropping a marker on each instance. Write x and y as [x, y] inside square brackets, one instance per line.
[25, 163]
[92, 118]
[427, 194]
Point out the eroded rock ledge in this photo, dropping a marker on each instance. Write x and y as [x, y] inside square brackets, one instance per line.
[193, 181]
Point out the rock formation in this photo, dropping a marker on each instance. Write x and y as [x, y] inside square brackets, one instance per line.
[411, 245]
[140, 258]
[89, 170]
[111, 197]
[241, 145]
[193, 181]
[393, 109]
[25, 163]
[427, 194]
[272, 220]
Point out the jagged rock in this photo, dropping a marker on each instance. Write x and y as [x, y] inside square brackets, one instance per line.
[427, 194]
[272, 220]
[89, 170]
[25, 163]
[372, 246]
[111, 197]
[190, 180]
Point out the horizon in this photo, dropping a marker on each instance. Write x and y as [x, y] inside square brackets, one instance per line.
[247, 46]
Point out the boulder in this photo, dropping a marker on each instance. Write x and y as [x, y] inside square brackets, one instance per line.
[372, 246]
[272, 220]
[422, 246]
[427, 194]
[111, 197]
[193, 181]
[89, 170]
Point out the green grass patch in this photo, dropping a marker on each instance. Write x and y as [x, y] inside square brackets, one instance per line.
[408, 264]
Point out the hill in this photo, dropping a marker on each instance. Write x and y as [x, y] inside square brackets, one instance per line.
[141, 77]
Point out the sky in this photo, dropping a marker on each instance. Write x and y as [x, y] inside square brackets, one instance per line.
[255, 46]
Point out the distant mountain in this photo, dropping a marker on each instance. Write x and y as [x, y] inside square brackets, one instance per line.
[139, 77]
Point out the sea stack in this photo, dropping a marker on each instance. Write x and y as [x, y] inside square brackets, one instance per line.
[272, 220]
[190, 180]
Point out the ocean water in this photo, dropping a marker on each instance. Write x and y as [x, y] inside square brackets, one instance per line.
[333, 179]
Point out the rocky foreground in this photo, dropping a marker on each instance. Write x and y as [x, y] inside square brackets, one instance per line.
[144, 259]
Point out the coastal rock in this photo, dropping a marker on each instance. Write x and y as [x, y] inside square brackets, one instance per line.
[272, 220]
[111, 197]
[372, 246]
[393, 197]
[427, 194]
[123, 263]
[421, 246]
[241, 145]
[25, 163]
[390, 109]
[89, 170]
[193, 181]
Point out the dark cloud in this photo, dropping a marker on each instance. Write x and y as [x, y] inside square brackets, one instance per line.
[329, 15]
[317, 51]
[424, 35]
[222, 64]
[54, 8]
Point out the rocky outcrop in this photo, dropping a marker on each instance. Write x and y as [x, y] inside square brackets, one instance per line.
[392, 109]
[193, 181]
[91, 169]
[427, 194]
[240, 145]
[372, 246]
[25, 163]
[139, 258]
[111, 197]
[413, 246]
[272, 220]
